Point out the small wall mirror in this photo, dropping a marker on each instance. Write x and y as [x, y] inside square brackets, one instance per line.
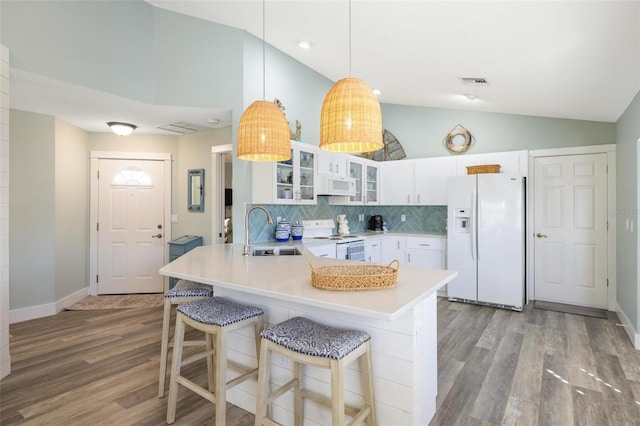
[196, 190]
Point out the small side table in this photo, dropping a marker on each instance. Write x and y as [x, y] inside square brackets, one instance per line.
[180, 246]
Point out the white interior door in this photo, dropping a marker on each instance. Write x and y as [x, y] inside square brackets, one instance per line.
[570, 225]
[131, 228]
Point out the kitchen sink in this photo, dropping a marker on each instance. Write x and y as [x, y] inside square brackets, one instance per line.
[275, 251]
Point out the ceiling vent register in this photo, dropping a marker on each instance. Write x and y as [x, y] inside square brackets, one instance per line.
[474, 81]
[184, 128]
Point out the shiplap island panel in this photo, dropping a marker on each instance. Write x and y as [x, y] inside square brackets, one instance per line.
[401, 321]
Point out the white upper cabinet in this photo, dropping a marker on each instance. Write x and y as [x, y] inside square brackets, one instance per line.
[397, 183]
[333, 164]
[430, 180]
[421, 182]
[287, 182]
[511, 162]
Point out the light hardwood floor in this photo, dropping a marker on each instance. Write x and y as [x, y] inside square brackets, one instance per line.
[495, 367]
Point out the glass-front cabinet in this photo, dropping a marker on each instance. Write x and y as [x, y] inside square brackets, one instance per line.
[287, 182]
[372, 184]
[367, 182]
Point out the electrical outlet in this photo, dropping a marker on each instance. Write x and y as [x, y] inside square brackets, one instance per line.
[281, 361]
[403, 218]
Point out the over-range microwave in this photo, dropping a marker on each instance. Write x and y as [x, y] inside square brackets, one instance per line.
[336, 185]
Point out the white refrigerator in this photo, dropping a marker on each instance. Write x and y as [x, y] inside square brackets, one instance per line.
[485, 239]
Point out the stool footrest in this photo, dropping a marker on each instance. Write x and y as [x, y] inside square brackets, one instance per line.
[326, 401]
[281, 390]
[196, 357]
[196, 388]
[241, 378]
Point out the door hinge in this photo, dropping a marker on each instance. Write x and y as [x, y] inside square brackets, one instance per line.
[607, 282]
[97, 278]
[97, 226]
[97, 174]
[607, 225]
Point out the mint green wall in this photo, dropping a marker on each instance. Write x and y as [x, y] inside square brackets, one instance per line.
[105, 45]
[32, 225]
[421, 130]
[300, 90]
[71, 214]
[627, 137]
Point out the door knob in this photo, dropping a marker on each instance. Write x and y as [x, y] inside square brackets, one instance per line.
[157, 236]
[539, 235]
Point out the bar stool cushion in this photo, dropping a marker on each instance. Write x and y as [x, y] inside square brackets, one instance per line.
[218, 311]
[311, 338]
[185, 288]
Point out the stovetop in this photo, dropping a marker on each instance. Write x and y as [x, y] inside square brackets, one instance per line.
[336, 237]
[323, 229]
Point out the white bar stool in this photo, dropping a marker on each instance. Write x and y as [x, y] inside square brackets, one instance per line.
[216, 317]
[184, 291]
[308, 342]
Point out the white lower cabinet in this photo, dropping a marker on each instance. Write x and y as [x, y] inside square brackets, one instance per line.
[393, 249]
[425, 252]
[373, 250]
[325, 250]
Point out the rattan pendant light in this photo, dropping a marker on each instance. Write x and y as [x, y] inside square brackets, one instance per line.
[350, 119]
[263, 133]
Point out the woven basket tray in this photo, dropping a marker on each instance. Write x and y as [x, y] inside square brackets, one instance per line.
[355, 277]
[486, 168]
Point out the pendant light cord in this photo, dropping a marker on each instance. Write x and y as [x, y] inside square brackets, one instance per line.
[264, 68]
[349, 38]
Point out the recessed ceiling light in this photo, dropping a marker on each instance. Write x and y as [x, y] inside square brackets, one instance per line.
[377, 92]
[470, 96]
[304, 44]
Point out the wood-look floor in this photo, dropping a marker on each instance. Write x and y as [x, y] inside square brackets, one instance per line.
[536, 367]
[495, 367]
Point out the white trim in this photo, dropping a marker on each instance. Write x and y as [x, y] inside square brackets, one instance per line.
[94, 159]
[48, 309]
[118, 155]
[217, 194]
[633, 334]
[575, 150]
[610, 150]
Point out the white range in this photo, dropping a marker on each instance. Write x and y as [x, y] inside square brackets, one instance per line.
[350, 247]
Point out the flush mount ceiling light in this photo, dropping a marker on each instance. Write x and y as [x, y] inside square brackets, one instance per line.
[350, 119]
[121, 129]
[263, 133]
[303, 44]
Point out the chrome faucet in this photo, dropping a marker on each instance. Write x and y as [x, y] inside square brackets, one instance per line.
[245, 252]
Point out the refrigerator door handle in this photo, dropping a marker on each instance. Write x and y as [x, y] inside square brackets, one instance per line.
[474, 224]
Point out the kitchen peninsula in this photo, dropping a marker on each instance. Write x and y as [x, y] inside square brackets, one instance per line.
[401, 321]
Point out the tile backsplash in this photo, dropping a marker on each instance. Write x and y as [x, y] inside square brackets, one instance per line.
[418, 219]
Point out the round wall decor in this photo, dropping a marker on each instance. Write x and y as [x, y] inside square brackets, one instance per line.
[462, 135]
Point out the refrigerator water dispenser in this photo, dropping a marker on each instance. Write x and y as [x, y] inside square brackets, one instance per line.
[463, 217]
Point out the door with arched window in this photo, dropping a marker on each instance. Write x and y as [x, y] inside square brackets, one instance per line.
[130, 226]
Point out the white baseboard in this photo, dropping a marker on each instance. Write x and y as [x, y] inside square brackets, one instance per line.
[40, 311]
[629, 328]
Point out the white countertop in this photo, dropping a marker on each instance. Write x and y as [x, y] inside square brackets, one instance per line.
[289, 278]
